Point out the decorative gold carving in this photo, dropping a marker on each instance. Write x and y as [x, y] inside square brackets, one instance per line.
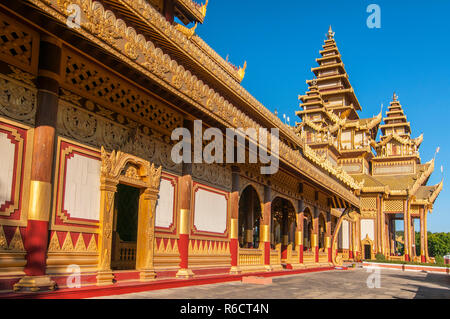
[95, 130]
[393, 205]
[241, 71]
[18, 44]
[17, 100]
[215, 174]
[187, 32]
[16, 243]
[368, 203]
[89, 79]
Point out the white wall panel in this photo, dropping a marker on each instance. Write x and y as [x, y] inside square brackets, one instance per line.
[82, 187]
[164, 205]
[210, 211]
[367, 228]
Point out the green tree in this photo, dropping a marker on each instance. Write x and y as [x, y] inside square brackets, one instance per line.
[438, 244]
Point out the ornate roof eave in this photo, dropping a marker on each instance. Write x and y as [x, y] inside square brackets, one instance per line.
[312, 125]
[328, 66]
[436, 192]
[329, 57]
[198, 12]
[350, 91]
[418, 140]
[329, 77]
[368, 126]
[376, 189]
[407, 124]
[141, 55]
[205, 57]
[394, 136]
[423, 178]
[324, 163]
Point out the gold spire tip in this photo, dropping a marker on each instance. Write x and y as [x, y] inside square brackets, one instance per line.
[330, 34]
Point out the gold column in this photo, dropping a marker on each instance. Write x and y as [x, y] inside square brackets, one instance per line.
[107, 191]
[146, 228]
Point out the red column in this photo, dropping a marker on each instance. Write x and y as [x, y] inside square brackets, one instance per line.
[315, 241]
[300, 231]
[406, 231]
[284, 231]
[185, 223]
[265, 227]
[422, 235]
[328, 238]
[36, 236]
[234, 223]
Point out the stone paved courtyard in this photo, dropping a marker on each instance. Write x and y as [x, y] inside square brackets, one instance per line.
[335, 284]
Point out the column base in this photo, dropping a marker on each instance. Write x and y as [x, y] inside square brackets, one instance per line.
[184, 273]
[298, 266]
[235, 270]
[274, 267]
[35, 284]
[105, 278]
[147, 275]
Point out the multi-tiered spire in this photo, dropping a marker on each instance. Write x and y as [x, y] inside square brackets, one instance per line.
[332, 81]
[330, 122]
[396, 134]
[395, 120]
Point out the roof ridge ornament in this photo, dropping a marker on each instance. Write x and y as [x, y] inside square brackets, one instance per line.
[241, 71]
[188, 32]
[330, 34]
[203, 8]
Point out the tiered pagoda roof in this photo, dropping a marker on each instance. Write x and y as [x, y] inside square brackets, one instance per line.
[397, 130]
[396, 120]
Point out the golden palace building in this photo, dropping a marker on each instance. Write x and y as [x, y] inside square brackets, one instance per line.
[90, 92]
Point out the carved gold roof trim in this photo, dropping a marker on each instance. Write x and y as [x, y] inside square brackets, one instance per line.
[419, 182]
[436, 192]
[103, 28]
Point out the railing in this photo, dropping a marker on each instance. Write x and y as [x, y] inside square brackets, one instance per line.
[275, 255]
[323, 257]
[308, 257]
[292, 255]
[396, 258]
[124, 255]
[250, 257]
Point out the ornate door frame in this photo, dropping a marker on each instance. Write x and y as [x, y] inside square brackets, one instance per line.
[118, 167]
[364, 242]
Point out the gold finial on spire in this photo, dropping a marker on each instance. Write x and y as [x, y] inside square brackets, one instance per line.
[395, 97]
[203, 8]
[241, 71]
[330, 34]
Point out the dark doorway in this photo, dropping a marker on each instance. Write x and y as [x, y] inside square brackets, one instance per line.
[125, 228]
[367, 254]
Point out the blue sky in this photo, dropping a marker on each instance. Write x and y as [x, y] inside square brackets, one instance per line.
[408, 54]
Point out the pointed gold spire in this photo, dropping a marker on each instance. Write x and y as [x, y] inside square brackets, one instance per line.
[394, 97]
[330, 34]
